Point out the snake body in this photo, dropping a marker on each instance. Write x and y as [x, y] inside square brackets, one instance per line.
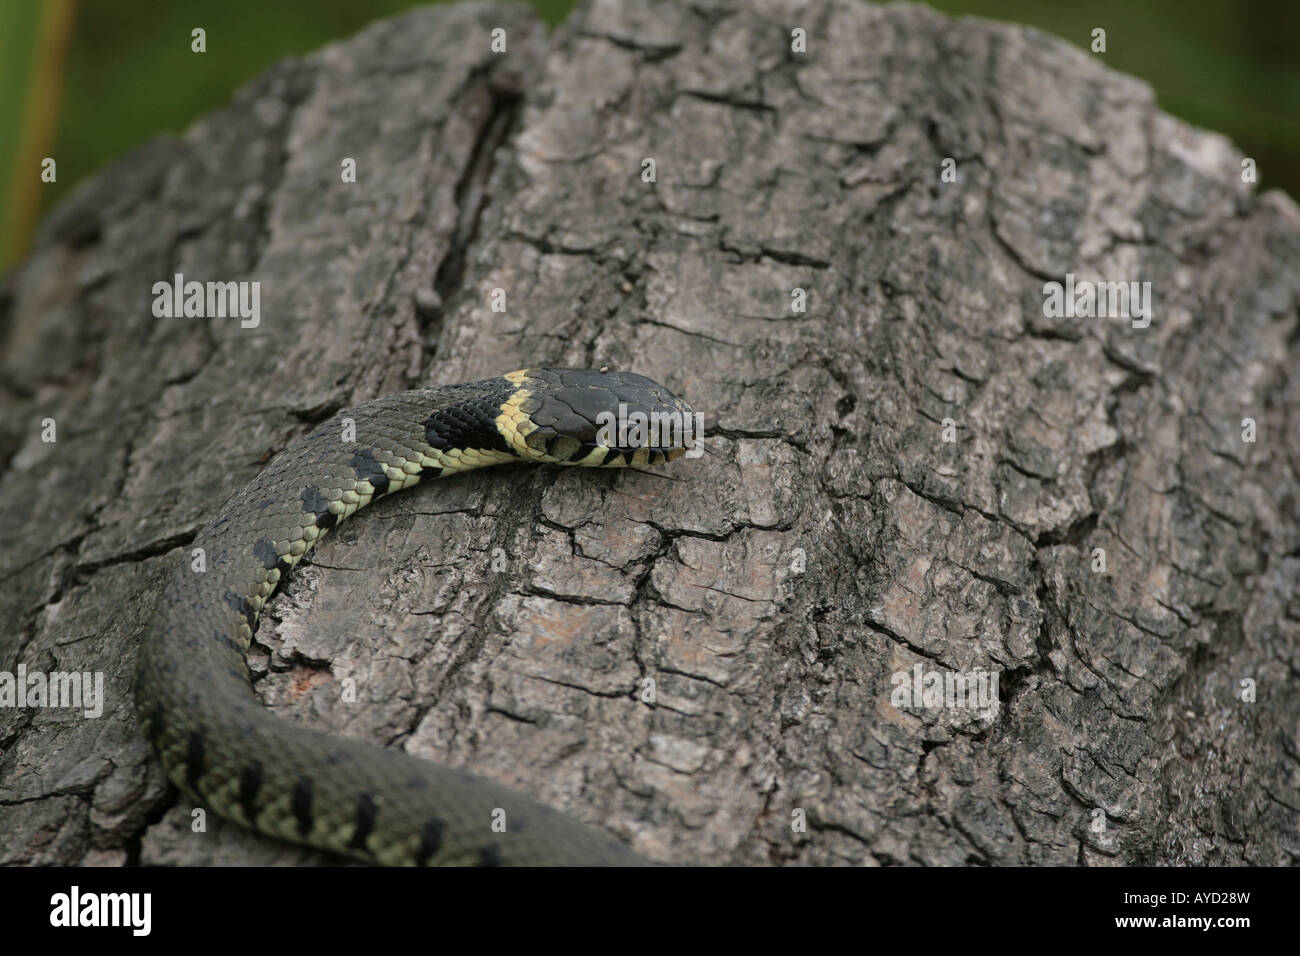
[194, 696]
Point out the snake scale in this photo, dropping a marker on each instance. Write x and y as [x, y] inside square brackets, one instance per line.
[194, 696]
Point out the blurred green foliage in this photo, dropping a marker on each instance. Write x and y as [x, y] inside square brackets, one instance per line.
[129, 73]
[19, 24]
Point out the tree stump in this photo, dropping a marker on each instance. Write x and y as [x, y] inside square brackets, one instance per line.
[841, 256]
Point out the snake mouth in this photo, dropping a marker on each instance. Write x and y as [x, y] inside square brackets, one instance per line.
[595, 419]
[590, 455]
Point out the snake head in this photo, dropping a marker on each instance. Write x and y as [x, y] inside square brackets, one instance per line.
[595, 419]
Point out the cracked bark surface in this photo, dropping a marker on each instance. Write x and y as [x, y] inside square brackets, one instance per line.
[1119, 691]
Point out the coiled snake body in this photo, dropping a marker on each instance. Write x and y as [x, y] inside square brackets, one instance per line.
[194, 696]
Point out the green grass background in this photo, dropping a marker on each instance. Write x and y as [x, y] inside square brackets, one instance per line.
[129, 73]
[18, 23]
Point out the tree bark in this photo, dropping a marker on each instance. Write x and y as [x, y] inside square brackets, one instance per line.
[772, 596]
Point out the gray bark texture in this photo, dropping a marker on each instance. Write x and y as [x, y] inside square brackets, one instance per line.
[770, 590]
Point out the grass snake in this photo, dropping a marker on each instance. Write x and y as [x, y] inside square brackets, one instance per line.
[194, 695]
